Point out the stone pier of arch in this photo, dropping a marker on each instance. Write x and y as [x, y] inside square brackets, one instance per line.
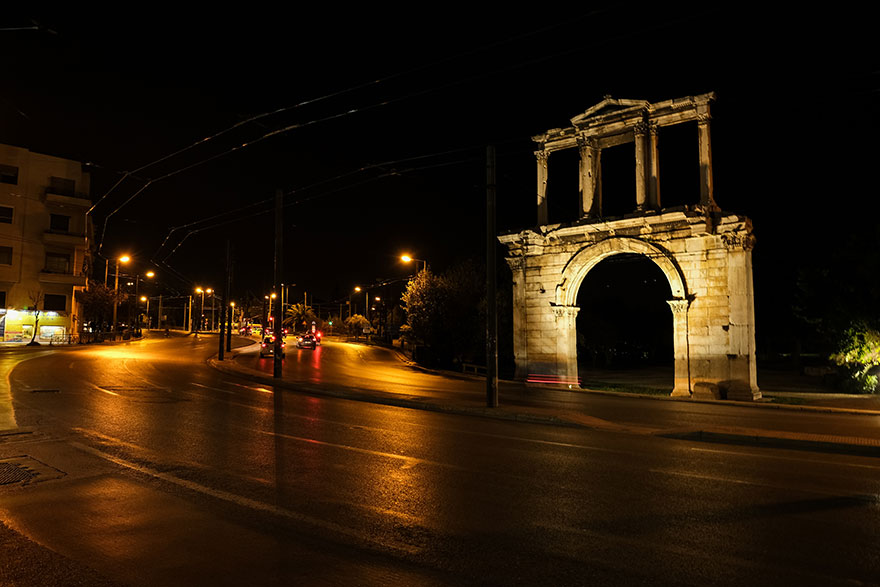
[709, 274]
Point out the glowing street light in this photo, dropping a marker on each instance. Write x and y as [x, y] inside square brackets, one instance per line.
[122, 259]
[357, 289]
[202, 291]
[408, 259]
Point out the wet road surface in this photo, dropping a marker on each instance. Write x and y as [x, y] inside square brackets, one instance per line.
[156, 470]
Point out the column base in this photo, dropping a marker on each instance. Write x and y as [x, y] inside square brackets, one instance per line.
[680, 391]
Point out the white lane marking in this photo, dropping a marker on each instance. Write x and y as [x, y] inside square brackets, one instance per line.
[249, 503]
[410, 461]
[704, 477]
[252, 388]
[107, 391]
[213, 388]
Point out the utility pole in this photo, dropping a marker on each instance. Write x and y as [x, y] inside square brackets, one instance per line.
[224, 300]
[279, 265]
[225, 311]
[491, 300]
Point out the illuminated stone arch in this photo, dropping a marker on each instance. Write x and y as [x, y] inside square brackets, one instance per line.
[710, 279]
[579, 266]
[583, 262]
[705, 253]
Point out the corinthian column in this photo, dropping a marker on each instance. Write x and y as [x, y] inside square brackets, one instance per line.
[541, 157]
[707, 196]
[654, 168]
[641, 130]
[591, 187]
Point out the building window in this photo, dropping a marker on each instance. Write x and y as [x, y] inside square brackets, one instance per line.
[54, 303]
[5, 255]
[8, 174]
[62, 187]
[57, 263]
[6, 214]
[59, 222]
[2, 300]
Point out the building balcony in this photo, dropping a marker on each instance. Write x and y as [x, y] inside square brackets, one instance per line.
[56, 237]
[52, 276]
[54, 196]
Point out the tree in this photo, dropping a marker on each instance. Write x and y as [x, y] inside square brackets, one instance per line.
[356, 325]
[859, 355]
[251, 307]
[36, 297]
[447, 313]
[97, 303]
[299, 317]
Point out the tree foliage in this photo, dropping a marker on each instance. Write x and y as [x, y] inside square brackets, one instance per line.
[97, 303]
[299, 317]
[836, 302]
[356, 324]
[859, 355]
[447, 313]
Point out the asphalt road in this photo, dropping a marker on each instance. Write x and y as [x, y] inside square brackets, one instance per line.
[149, 468]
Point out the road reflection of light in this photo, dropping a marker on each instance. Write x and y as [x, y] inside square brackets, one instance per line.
[316, 365]
[403, 484]
[7, 412]
[139, 352]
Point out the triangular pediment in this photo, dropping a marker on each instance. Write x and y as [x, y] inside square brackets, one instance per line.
[609, 106]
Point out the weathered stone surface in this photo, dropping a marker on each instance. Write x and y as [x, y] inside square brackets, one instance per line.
[705, 255]
[706, 390]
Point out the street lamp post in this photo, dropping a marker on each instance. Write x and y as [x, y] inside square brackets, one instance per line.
[231, 313]
[137, 282]
[408, 259]
[145, 299]
[357, 289]
[122, 259]
[213, 321]
[201, 308]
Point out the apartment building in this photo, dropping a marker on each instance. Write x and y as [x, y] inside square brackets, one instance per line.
[44, 235]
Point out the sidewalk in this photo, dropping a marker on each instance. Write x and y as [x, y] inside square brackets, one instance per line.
[544, 405]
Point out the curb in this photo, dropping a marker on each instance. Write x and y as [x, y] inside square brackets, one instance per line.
[869, 447]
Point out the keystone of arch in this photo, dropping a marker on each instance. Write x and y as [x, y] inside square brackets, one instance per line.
[584, 260]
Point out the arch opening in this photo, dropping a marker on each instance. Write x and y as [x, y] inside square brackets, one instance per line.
[625, 325]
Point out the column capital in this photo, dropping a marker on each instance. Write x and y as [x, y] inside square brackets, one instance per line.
[738, 241]
[541, 155]
[565, 311]
[642, 128]
[679, 306]
[587, 142]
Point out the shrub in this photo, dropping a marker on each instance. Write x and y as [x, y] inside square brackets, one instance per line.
[858, 353]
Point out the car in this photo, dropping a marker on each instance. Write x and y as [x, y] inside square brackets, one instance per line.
[267, 347]
[306, 341]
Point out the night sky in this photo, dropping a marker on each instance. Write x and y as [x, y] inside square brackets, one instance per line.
[386, 117]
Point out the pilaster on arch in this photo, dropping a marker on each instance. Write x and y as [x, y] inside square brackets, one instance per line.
[584, 260]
